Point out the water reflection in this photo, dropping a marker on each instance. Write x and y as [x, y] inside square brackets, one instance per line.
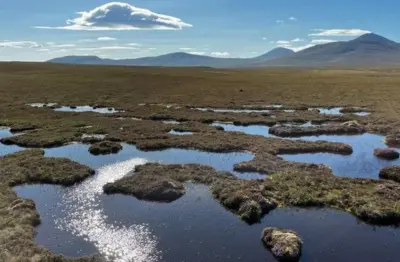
[362, 163]
[196, 228]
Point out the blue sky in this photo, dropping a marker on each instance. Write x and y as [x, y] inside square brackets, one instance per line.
[38, 30]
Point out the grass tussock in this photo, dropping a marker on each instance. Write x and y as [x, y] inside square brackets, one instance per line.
[18, 217]
[373, 201]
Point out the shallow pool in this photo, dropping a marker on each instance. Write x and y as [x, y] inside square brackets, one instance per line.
[194, 228]
[101, 110]
[361, 163]
[4, 150]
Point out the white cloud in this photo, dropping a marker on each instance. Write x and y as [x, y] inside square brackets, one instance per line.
[59, 51]
[296, 40]
[279, 21]
[43, 50]
[151, 48]
[121, 16]
[197, 53]
[322, 41]
[106, 38]
[133, 44]
[220, 54]
[282, 42]
[264, 38]
[299, 48]
[107, 48]
[292, 18]
[63, 45]
[186, 48]
[19, 44]
[339, 32]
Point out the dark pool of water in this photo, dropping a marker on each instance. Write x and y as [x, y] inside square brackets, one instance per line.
[361, 163]
[4, 150]
[196, 228]
[221, 162]
[101, 110]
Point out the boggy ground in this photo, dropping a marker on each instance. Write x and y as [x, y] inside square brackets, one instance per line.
[373, 201]
[18, 217]
[126, 88]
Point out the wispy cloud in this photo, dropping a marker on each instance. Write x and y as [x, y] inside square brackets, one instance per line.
[339, 32]
[186, 48]
[133, 44]
[282, 42]
[106, 38]
[299, 48]
[264, 38]
[43, 50]
[107, 48]
[280, 21]
[62, 45]
[322, 41]
[220, 54]
[121, 16]
[292, 18]
[297, 40]
[196, 53]
[19, 44]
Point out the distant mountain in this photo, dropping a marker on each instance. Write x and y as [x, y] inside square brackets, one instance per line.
[276, 53]
[366, 50]
[176, 59]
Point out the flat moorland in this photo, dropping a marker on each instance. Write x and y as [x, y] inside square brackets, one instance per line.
[146, 97]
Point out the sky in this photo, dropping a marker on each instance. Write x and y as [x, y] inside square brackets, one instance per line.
[44, 29]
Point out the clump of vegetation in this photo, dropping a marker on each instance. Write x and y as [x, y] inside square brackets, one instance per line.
[156, 182]
[373, 201]
[392, 140]
[30, 166]
[391, 173]
[386, 153]
[284, 244]
[297, 131]
[19, 216]
[105, 148]
[349, 110]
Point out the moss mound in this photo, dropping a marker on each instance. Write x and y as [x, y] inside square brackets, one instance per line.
[284, 244]
[105, 148]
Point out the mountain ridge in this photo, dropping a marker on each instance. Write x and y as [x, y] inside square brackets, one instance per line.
[175, 59]
[366, 50]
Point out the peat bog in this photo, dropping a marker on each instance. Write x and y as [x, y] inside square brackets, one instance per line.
[230, 177]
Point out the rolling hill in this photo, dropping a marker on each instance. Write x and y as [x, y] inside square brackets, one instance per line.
[366, 50]
[176, 59]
